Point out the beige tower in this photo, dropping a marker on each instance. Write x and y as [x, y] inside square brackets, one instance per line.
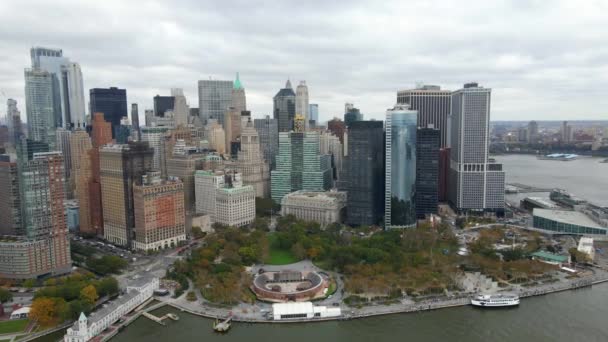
[80, 146]
[250, 163]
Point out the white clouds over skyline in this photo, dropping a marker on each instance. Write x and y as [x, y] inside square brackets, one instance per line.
[544, 60]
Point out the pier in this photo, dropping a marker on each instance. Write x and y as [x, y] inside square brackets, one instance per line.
[222, 326]
[160, 320]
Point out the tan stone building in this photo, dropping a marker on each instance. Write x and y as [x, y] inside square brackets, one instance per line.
[323, 207]
[159, 213]
[80, 146]
[250, 163]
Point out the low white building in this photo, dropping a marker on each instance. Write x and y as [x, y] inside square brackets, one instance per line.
[324, 207]
[302, 310]
[21, 313]
[136, 294]
[585, 245]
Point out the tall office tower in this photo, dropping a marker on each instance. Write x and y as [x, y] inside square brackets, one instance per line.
[39, 102]
[250, 163]
[68, 92]
[181, 110]
[15, 128]
[348, 106]
[427, 171]
[154, 136]
[112, 102]
[268, 132]
[63, 144]
[337, 127]
[101, 134]
[400, 174]
[80, 146]
[476, 184]
[182, 164]
[433, 106]
[313, 110]
[27, 148]
[216, 136]
[206, 184]
[532, 132]
[214, 97]
[160, 220]
[124, 132]
[238, 99]
[329, 144]
[232, 126]
[135, 120]
[353, 114]
[364, 173]
[284, 108]
[302, 102]
[444, 174]
[122, 166]
[163, 104]
[10, 201]
[299, 165]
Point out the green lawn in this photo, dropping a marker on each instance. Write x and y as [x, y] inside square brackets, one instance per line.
[279, 256]
[13, 326]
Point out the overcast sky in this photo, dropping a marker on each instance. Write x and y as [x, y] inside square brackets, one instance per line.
[544, 60]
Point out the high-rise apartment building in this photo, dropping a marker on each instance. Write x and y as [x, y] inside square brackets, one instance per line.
[10, 201]
[101, 134]
[122, 166]
[80, 146]
[302, 104]
[433, 106]
[40, 106]
[67, 88]
[427, 171]
[299, 165]
[154, 137]
[268, 132]
[182, 164]
[214, 97]
[364, 173]
[532, 132]
[284, 108]
[400, 171]
[63, 144]
[476, 184]
[112, 102]
[158, 206]
[567, 132]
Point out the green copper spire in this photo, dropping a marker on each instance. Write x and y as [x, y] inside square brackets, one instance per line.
[237, 82]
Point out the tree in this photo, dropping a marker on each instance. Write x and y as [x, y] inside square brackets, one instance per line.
[197, 232]
[5, 295]
[298, 251]
[48, 311]
[29, 283]
[89, 294]
[107, 286]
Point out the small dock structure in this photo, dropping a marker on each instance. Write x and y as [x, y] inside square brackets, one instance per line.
[160, 320]
[222, 326]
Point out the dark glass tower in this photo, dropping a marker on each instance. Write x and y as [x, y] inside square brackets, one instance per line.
[112, 102]
[285, 107]
[163, 104]
[353, 114]
[364, 173]
[427, 171]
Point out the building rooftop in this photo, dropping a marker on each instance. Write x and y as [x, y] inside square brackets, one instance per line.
[543, 202]
[550, 256]
[568, 217]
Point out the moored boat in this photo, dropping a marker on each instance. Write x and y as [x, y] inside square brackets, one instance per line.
[495, 300]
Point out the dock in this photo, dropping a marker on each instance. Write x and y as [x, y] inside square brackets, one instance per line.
[222, 326]
[160, 320]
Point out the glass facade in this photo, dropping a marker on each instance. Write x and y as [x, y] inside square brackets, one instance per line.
[566, 228]
[400, 187]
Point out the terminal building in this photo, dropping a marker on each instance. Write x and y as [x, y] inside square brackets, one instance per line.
[531, 203]
[302, 310]
[567, 222]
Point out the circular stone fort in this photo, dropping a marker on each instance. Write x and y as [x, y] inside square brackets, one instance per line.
[289, 286]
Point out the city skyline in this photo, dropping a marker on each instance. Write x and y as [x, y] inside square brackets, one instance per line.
[528, 78]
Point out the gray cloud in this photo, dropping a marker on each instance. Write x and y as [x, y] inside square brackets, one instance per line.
[544, 60]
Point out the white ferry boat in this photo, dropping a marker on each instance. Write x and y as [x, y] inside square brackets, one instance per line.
[495, 300]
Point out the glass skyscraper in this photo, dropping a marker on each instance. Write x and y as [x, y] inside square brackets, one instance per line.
[400, 170]
[40, 111]
[285, 108]
[214, 98]
[112, 102]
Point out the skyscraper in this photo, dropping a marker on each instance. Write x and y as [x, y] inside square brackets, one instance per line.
[135, 120]
[63, 144]
[268, 132]
[427, 171]
[330, 145]
[250, 163]
[433, 106]
[214, 97]
[232, 126]
[239, 101]
[299, 165]
[10, 201]
[284, 108]
[302, 101]
[476, 184]
[154, 137]
[532, 132]
[400, 174]
[181, 110]
[122, 166]
[182, 164]
[163, 104]
[112, 102]
[39, 102]
[13, 115]
[364, 173]
[101, 135]
[444, 174]
[80, 147]
[67, 88]
[353, 114]
[313, 111]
